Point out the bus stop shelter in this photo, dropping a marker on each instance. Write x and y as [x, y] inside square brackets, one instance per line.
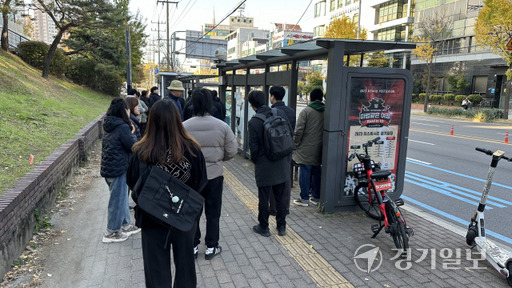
[361, 103]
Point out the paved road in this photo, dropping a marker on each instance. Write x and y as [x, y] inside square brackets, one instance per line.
[445, 175]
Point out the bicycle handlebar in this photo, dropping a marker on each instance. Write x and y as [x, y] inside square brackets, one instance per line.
[490, 153]
[365, 146]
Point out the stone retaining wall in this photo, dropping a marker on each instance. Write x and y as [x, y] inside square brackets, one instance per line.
[38, 190]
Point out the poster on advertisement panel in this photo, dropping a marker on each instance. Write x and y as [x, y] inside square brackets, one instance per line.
[376, 111]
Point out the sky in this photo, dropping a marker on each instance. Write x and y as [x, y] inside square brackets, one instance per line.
[192, 14]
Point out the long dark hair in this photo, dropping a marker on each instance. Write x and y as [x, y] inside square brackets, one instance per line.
[164, 131]
[118, 108]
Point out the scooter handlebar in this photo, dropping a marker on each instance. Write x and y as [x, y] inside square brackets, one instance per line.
[486, 151]
[490, 153]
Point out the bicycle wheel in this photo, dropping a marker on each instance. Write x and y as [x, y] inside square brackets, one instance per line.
[397, 229]
[363, 200]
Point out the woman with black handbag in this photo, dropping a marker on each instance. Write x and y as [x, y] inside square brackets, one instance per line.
[167, 145]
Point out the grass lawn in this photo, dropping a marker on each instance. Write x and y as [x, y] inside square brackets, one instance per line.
[38, 115]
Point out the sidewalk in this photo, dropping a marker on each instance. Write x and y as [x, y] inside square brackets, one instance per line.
[318, 250]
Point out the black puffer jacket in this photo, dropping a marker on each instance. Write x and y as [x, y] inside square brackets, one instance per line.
[116, 147]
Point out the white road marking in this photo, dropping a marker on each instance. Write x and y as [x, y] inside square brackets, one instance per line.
[419, 161]
[425, 124]
[421, 142]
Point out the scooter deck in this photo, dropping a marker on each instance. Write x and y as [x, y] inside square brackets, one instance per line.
[498, 255]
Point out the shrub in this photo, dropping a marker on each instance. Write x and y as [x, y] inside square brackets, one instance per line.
[421, 97]
[487, 115]
[98, 77]
[34, 52]
[448, 99]
[435, 98]
[459, 98]
[475, 99]
[414, 98]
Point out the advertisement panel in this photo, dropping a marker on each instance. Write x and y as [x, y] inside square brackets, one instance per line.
[376, 111]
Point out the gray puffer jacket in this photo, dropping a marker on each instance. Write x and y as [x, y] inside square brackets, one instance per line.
[218, 143]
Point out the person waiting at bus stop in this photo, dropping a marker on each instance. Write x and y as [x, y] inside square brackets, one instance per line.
[308, 142]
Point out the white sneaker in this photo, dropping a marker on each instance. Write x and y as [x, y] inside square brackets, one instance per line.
[114, 237]
[196, 251]
[130, 230]
[212, 252]
[301, 202]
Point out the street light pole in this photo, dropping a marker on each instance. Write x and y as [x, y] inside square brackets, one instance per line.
[359, 20]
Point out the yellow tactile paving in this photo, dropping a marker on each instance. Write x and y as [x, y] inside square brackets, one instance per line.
[320, 271]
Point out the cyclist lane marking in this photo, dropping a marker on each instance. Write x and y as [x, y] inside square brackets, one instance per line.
[460, 136]
[454, 218]
[320, 271]
[450, 190]
[458, 174]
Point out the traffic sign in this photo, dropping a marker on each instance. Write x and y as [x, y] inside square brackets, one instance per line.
[509, 44]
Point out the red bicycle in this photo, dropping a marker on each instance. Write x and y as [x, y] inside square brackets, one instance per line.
[371, 196]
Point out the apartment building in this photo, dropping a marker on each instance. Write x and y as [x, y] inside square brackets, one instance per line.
[394, 20]
[44, 27]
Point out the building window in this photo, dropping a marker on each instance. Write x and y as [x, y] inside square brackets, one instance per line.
[319, 30]
[479, 84]
[333, 5]
[391, 34]
[392, 10]
[320, 9]
[356, 18]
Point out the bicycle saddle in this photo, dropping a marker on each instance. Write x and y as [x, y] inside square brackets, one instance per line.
[383, 174]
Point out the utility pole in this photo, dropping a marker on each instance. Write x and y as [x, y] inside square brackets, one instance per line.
[129, 64]
[158, 39]
[168, 28]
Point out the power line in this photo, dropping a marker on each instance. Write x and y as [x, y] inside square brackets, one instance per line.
[225, 17]
[285, 35]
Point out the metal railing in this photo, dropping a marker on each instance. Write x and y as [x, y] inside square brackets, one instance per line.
[15, 38]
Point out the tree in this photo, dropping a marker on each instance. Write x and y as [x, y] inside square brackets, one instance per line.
[434, 30]
[314, 81]
[5, 28]
[69, 14]
[493, 28]
[105, 41]
[379, 59]
[6, 9]
[457, 82]
[343, 28]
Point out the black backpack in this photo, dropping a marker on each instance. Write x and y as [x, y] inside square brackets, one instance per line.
[278, 137]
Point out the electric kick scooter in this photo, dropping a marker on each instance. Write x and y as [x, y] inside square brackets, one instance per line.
[499, 258]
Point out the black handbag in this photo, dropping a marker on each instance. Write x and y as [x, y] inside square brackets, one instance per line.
[168, 199]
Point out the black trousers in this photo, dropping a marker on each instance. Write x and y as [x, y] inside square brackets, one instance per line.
[263, 211]
[212, 194]
[156, 246]
[287, 194]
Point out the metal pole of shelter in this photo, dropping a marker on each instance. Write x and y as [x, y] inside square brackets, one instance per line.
[233, 103]
[266, 87]
[246, 111]
[333, 137]
[292, 89]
